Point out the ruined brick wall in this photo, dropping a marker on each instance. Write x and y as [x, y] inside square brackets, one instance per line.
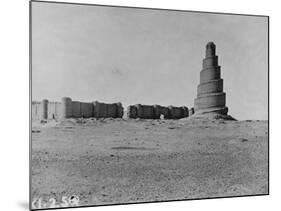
[111, 110]
[132, 112]
[54, 110]
[176, 112]
[36, 110]
[161, 110]
[104, 110]
[75, 109]
[87, 110]
[155, 111]
[191, 111]
[145, 111]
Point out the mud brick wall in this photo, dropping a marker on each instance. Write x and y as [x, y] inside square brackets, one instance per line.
[120, 110]
[132, 112]
[155, 111]
[176, 112]
[100, 110]
[66, 107]
[36, 110]
[104, 110]
[191, 111]
[161, 110]
[111, 110]
[54, 110]
[75, 109]
[87, 110]
[185, 111]
[145, 111]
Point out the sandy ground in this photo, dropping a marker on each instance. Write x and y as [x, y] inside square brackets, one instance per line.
[126, 161]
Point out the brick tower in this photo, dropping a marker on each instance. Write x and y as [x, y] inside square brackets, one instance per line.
[210, 95]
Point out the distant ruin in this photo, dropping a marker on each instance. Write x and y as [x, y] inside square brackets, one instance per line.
[210, 99]
[75, 109]
[68, 108]
[210, 95]
[155, 112]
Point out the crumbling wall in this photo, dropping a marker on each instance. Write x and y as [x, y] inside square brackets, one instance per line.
[155, 111]
[66, 107]
[132, 112]
[54, 110]
[185, 111]
[111, 110]
[36, 110]
[45, 109]
[87, 110]
[176, 112]
[161, 110]
[104, 110]
[120, 110]
[99, 109]
[40, 110]
[145, 111]
[51, 110]
[191, 111]
[76, 109]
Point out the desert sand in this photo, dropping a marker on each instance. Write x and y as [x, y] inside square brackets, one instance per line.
[112, 161]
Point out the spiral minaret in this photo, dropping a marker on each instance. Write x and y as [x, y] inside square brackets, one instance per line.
[210, 95]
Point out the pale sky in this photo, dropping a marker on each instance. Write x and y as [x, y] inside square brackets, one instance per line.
[129, 55]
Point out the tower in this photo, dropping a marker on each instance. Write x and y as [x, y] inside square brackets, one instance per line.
[45, 109]
[210, 95]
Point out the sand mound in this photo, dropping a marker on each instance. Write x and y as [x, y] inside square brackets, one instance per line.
[209, 117]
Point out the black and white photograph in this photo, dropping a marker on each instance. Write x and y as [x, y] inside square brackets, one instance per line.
[132, 105]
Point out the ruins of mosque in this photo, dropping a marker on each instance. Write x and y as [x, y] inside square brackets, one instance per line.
[156, 111]
[68, 108]
[210, 95]
[210, 99]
